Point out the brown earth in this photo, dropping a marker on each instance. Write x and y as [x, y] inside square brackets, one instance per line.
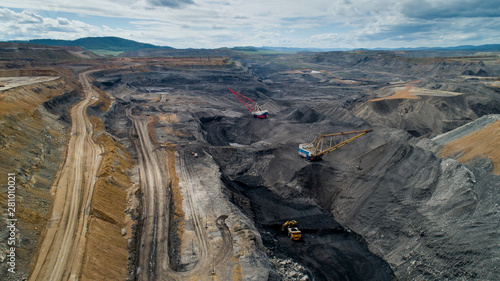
[61, 251]
[106, 252]
[32, 145]
[483, 142]
[177, 210]
[402, 94]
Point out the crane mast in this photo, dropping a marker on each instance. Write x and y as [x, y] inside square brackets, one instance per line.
[325, 144]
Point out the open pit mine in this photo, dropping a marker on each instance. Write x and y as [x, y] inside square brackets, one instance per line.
[230, 166]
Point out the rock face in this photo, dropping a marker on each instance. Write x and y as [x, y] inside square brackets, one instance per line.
[289, 269]
[59, 104]
[32, 146]
[418, 221]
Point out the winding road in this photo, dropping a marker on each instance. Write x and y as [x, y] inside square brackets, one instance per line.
[61, 252]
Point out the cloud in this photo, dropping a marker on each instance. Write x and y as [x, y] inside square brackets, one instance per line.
[429, 9]
[63, 21]
[264, 34]
[214, 23]
[171, 3]
[25, 17]
[218, 27]
[30, 25]
[30, 17]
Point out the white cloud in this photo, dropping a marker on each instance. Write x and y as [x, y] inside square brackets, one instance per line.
[63, 21]
[30, 25]
[218, 26]
[207, 24]
[267, 35]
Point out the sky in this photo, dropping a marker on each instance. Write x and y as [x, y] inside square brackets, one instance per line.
[280, 23]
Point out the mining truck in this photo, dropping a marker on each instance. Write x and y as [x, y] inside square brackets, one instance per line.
[292, 228]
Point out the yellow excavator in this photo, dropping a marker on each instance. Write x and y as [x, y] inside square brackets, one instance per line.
[292, 228]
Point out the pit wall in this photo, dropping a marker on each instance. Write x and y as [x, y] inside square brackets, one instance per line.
[32, 146]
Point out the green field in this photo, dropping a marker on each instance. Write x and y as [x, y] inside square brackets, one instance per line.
[106, 52]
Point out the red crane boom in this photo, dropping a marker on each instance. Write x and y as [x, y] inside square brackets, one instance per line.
[251, 105]
[247, 102]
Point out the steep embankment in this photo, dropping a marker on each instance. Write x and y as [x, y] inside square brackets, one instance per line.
[84, 239]
[32, 142]
[13, 54]
[476, 139]
[418, 115]
[106, 253]
[420, 213]
[430, 107]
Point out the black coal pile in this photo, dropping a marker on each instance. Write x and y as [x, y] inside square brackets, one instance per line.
[303, 114]
[413, 209]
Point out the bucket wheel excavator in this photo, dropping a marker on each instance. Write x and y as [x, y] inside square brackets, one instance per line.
[325, 144]
[251, 105]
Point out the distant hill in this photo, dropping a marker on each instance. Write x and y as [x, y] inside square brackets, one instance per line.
[221, 52]
[96, 44]
[33, 52]
[481, 48]
[465, 48]
[124, 47]
[298, 50]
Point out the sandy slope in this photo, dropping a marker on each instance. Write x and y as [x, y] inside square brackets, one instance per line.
[61, 252]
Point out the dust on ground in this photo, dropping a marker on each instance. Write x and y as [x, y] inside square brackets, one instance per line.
[12, 82]
[412, 92]
[482, 142]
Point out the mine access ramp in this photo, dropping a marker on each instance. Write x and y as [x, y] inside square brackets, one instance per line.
[251, 105]
[325, 144]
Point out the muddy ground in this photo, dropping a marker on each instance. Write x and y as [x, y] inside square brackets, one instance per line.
[383, 207]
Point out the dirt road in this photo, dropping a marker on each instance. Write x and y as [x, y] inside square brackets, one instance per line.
[155, 248]
[154, 184]
[61, 252]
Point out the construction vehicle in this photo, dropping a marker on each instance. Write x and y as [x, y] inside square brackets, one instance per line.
[319, 147]
[251, 105]
[292, 228]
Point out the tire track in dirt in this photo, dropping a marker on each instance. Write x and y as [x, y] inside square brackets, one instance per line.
[200, 232]
[153, 248]
[154, 252]
[61, 252]
[209, 259]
